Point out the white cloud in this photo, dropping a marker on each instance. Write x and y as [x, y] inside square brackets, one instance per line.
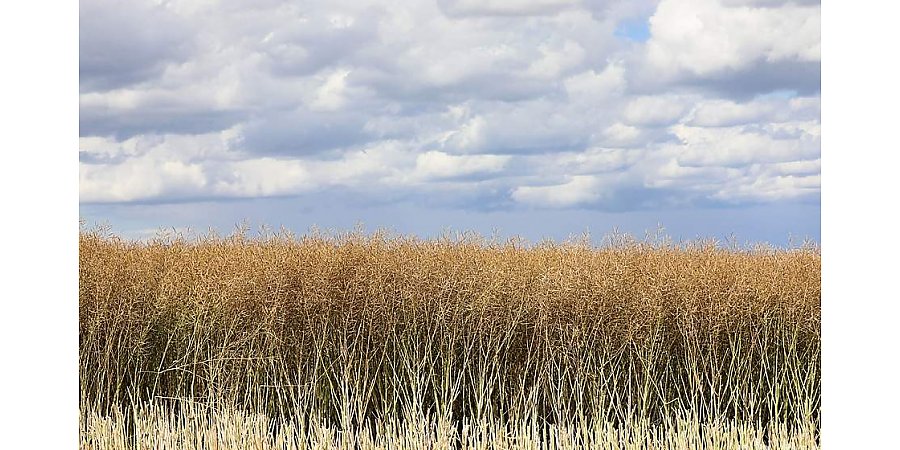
[369, 168]
[654, 111]
[138, 179]
[805, 167]
[671, 174]
[525, 127]
[197, 147]
[330, 96]
[438, 165]
[505, 7]
[556, 60]
[470, 135]
[738, 146]
[717, 113]
[262, 177]
[725, 113]
[769, 3]
[590, 86]
[771, 188]
[621, 135]
[591, 161]
[702, 37]
[580, 189]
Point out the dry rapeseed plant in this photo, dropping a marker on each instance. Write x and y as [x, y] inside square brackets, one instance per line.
[361, 341]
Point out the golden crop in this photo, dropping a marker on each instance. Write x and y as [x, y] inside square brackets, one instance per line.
[390, 342]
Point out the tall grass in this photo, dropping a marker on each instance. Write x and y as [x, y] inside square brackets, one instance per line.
[358, 341]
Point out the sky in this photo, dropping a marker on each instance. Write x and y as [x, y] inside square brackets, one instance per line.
[537, 118]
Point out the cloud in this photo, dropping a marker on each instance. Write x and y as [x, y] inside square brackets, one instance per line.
[478, 106]
[527, 127]
[301, 42]
[718, 113]
[150, 166]
[700, 41]
[139, 178]
[262, 177]
[805, 167]
[588, 162]
[772, 188]
[153, 117]
[302, 132]
[654, 111]
[703, 37]
[556, 59]
[191, 148]
[739, 146]
[769, 3]
[439, 165]
[121, 43]
[803, 77]
[580, 189]
[619, 134]
[331, 95]
[591, 86]
[724, 113]
[504, 7]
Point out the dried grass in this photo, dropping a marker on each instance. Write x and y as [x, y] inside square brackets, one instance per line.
[381, 341]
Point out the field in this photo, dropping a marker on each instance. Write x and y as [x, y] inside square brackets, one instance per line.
[376, 341]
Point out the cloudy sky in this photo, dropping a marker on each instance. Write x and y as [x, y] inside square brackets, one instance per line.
[542, 118]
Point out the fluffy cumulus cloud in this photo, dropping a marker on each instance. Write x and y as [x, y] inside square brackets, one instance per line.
[736, 46]
[492, 104]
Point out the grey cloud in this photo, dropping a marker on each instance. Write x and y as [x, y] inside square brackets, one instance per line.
[305, 48]
[474, 195]
[486, 59]
[399, 85]
[804, 77]
[762, 77]
[92, 158]
[623, 136]
[123, 43]
[522, 130]
[303, 132]
[162, 119]
[638, 198]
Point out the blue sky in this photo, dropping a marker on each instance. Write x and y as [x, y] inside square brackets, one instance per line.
[635, 29]
[541, 118]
